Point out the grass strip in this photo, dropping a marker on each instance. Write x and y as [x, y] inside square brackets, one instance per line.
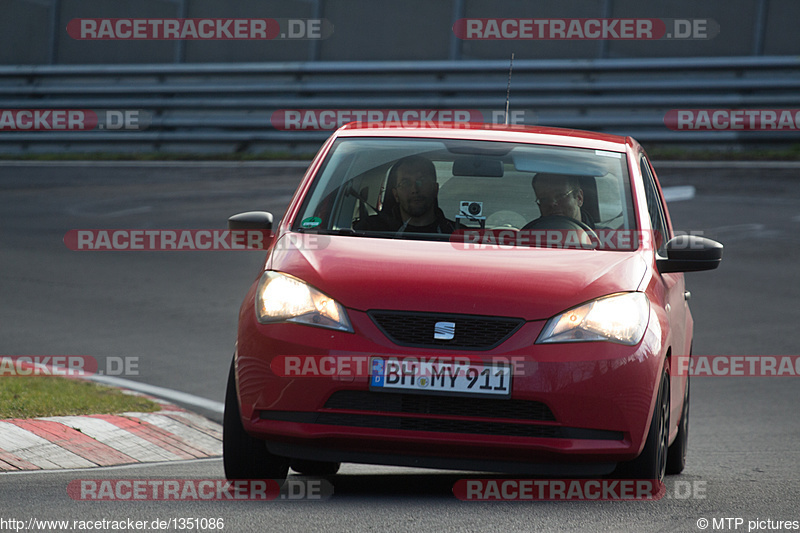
[34, 396]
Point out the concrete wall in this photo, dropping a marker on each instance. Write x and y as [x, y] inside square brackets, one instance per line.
[34, 31]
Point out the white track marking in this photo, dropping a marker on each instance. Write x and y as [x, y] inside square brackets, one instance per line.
[161, 392]
[37, 450]
[118, 438]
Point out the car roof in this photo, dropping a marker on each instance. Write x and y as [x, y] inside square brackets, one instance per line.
[491, 132]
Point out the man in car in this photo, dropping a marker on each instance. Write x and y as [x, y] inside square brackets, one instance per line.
[560, 194]
[411, 203]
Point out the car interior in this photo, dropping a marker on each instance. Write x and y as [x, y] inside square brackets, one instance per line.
[476, 190]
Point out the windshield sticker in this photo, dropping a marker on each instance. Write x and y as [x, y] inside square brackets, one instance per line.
[615, 155]
[311, 222]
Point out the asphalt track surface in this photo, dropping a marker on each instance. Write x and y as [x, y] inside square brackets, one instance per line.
[176, 312]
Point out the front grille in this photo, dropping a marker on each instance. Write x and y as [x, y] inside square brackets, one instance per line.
[439, 405]
[471, 332]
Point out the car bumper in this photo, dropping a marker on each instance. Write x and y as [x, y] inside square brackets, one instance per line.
[586, 404]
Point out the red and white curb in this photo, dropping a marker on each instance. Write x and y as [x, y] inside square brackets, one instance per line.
[171, 434]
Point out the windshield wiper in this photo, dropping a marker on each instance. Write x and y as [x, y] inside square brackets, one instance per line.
[376, 234]
[349, 232]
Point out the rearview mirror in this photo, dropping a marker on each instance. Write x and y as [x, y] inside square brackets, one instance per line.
[478, 166]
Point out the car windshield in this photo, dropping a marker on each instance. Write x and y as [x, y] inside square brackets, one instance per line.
[435, 189]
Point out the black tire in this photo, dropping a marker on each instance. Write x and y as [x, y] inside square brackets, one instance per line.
[676, 457]
[652, 462]
[243, 456]
[315, 468]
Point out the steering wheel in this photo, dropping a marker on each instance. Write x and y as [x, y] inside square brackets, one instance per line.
[561, 222]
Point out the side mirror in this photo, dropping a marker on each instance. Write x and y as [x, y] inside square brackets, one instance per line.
[690, 253]
[251, 220]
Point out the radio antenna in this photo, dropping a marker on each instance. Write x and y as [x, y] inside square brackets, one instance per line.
[508, 89]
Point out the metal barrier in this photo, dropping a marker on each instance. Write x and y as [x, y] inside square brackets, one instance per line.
[228, 107]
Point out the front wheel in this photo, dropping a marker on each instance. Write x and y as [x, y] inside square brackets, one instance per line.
[676, 457]
[652, 462]
[243, 456]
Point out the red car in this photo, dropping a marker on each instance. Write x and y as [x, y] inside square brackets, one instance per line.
[495, 298]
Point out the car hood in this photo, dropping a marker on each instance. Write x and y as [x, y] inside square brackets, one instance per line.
[531, 283]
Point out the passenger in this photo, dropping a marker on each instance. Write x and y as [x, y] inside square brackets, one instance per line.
[411, 202]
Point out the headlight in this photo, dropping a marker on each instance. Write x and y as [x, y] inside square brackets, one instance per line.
[284, 298]
[618, 318]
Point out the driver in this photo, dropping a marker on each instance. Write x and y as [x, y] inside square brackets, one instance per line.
[560, 194]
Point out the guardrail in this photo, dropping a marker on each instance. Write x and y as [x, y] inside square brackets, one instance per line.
[228, 107]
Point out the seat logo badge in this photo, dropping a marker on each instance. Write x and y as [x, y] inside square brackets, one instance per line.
[444, 331]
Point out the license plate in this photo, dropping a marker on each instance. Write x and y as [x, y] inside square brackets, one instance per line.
[453, 378]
